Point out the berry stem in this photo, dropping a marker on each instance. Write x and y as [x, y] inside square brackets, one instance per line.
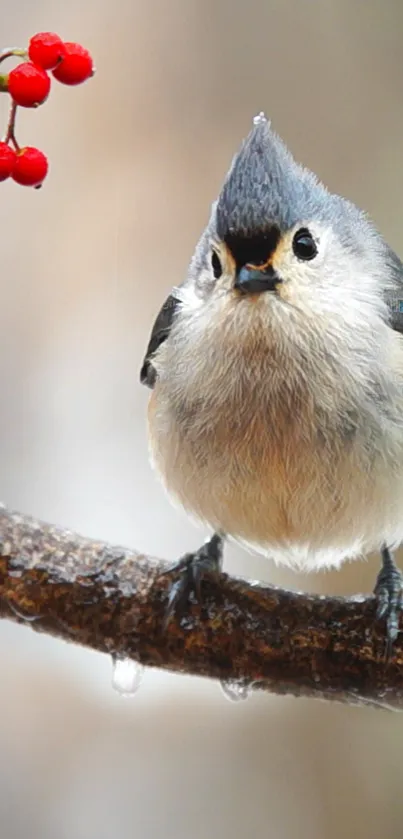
[13, 51]
[9, 136]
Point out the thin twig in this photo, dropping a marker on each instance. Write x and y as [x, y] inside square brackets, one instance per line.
[113, 600]
[13, 52]
[9, 136]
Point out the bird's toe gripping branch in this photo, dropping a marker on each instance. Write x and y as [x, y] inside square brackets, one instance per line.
[193, 568]
[389, 595]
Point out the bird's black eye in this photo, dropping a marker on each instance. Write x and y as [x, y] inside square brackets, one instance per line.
[216, 264]
[304, 245]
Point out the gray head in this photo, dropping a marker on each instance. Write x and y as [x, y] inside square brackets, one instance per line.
[275, 228]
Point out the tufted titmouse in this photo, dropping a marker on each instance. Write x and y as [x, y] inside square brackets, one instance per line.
[276, 368]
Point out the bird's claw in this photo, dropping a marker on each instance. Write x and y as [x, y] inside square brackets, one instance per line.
[193, 568]
[389, 595]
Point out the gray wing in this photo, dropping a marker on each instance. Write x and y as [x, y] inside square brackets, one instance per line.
[394, 295]
[159, 334]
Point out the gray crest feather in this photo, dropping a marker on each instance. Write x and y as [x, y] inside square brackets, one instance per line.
[265, 186]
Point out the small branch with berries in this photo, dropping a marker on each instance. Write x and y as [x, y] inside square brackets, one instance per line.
[114, 600]
[28, 85]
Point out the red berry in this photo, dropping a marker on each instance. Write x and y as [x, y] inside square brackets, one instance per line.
[46, 49]
[75, 67]
[7, 161]
[28, 84]
[30, 167]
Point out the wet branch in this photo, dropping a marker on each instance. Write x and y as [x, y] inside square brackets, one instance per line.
[112, 600]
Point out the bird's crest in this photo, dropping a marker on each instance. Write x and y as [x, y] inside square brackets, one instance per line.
[264, 187]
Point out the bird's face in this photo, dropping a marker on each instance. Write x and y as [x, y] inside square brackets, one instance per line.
[278, 241]
[271, 265]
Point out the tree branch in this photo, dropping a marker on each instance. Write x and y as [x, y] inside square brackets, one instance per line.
[113, 600]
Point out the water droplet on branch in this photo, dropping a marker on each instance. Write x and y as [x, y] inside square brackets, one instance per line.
[127, 675]
[235, 689]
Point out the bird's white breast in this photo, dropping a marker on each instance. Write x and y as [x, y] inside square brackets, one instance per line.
[278, 434]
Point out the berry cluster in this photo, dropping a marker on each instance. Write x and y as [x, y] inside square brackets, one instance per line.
[28, 85]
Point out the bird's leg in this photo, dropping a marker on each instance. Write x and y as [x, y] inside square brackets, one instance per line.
[389, 595]
[193, 568]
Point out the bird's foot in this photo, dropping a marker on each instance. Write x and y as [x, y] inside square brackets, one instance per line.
[389, 596]
[193, 569]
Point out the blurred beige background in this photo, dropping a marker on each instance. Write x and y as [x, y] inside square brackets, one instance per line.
[137, 156]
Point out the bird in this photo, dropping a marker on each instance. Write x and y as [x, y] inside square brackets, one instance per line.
[276, 373]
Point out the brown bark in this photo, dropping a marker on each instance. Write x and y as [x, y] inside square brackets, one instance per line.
[113, 600]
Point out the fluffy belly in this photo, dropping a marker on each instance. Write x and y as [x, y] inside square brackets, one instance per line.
[304, 496]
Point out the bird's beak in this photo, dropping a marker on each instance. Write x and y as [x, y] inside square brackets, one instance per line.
[251, 280]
